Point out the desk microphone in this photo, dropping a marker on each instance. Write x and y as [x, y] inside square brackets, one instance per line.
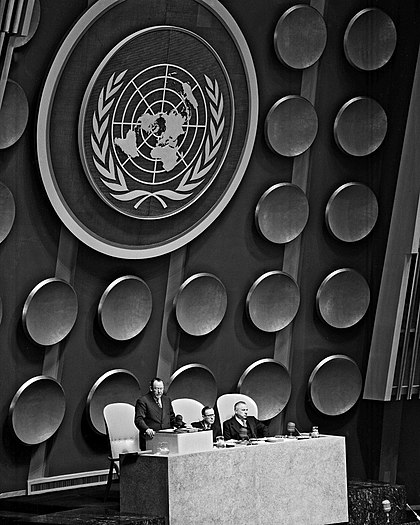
[179, 422]
[412, 510]
[291, 428]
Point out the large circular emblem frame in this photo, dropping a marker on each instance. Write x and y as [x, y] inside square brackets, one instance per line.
[150, 246]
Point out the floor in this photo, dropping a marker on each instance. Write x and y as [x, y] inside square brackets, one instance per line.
[70, 507]
[80, 507]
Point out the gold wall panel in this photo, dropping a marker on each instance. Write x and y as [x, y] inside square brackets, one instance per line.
[37, 410]
[282, 213]
[7, 211]
[273, 301]
[193, 381]
[200, 304]
[253, 383]
[370, 39]
[291, 126]
[125, 308]
[335, 385]
[115, 386]
[50, 311]
[300, 37]
[14, 112]
[343, 298]
[351, 212]
[360, 126]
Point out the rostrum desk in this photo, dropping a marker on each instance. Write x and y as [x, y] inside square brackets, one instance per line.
[290, 482]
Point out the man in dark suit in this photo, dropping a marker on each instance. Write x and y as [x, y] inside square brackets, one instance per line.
[153, 412]
[243, 427]
[208, 422]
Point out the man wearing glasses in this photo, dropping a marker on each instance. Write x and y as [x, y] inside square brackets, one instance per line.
[208, 422]
[153, 412]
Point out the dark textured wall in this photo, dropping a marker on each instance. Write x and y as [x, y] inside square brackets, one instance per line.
[231, 248]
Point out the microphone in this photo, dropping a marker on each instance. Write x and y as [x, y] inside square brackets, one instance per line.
[415, 513]
[179, 422]
[291, 428]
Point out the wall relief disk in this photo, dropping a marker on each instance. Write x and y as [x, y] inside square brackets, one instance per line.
[143, 141]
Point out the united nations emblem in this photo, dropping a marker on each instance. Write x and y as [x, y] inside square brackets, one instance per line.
[146, 123]
[154, 135]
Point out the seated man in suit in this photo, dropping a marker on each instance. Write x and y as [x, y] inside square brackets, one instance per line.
[208, 422]
[241, 426]
[153, 412]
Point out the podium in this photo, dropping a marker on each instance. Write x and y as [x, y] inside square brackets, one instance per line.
[292, 481]
[182, 442]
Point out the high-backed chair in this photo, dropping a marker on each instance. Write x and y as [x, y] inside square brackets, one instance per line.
[226, 402]
[123, 436]
[190, 409]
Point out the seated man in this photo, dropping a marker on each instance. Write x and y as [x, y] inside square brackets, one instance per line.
[153, 412]
[208, 422]
[241, 426]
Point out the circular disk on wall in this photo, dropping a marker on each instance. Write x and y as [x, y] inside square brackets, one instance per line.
[37, 410]
[300, 37]
[125, 308]
[253, 383]
[157, 128]
[343, 298]
[7, 211]
[273, 301]
[291, 126]
[370, 39]
[33, 26]
[282, 213]
[351, 212]
[335, 385]
[360, 126]
[200, 304]
[115, 386]
[50, 311]
[193, 381]
[14, 112]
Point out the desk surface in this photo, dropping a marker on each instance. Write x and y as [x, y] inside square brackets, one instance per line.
[283, 483]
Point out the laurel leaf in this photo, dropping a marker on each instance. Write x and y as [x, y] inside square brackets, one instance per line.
[212, 131]
[207, 149]
[109, 85]
[216, 90]
[189, 187]
[96, 149]
[219, 114]
[170, 194]
[101, 100]
[219, 131]
[184, 180]
[105, 173]
[214, 112]
[211, 96]
[95, 125]
[105, 109]
[111, 165]
[103, 128]
[205, 170]
[209, 83]
[105, 146]
[120, 76]
[113, 186]
[214, 151]
[121, 179]
[196, 168]
[129, 196]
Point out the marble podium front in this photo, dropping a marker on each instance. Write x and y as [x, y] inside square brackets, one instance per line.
[299, 482]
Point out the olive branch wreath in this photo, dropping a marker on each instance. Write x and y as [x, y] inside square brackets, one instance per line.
[113, 177]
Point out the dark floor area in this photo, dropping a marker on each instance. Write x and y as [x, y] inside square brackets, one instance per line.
[70, 507]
